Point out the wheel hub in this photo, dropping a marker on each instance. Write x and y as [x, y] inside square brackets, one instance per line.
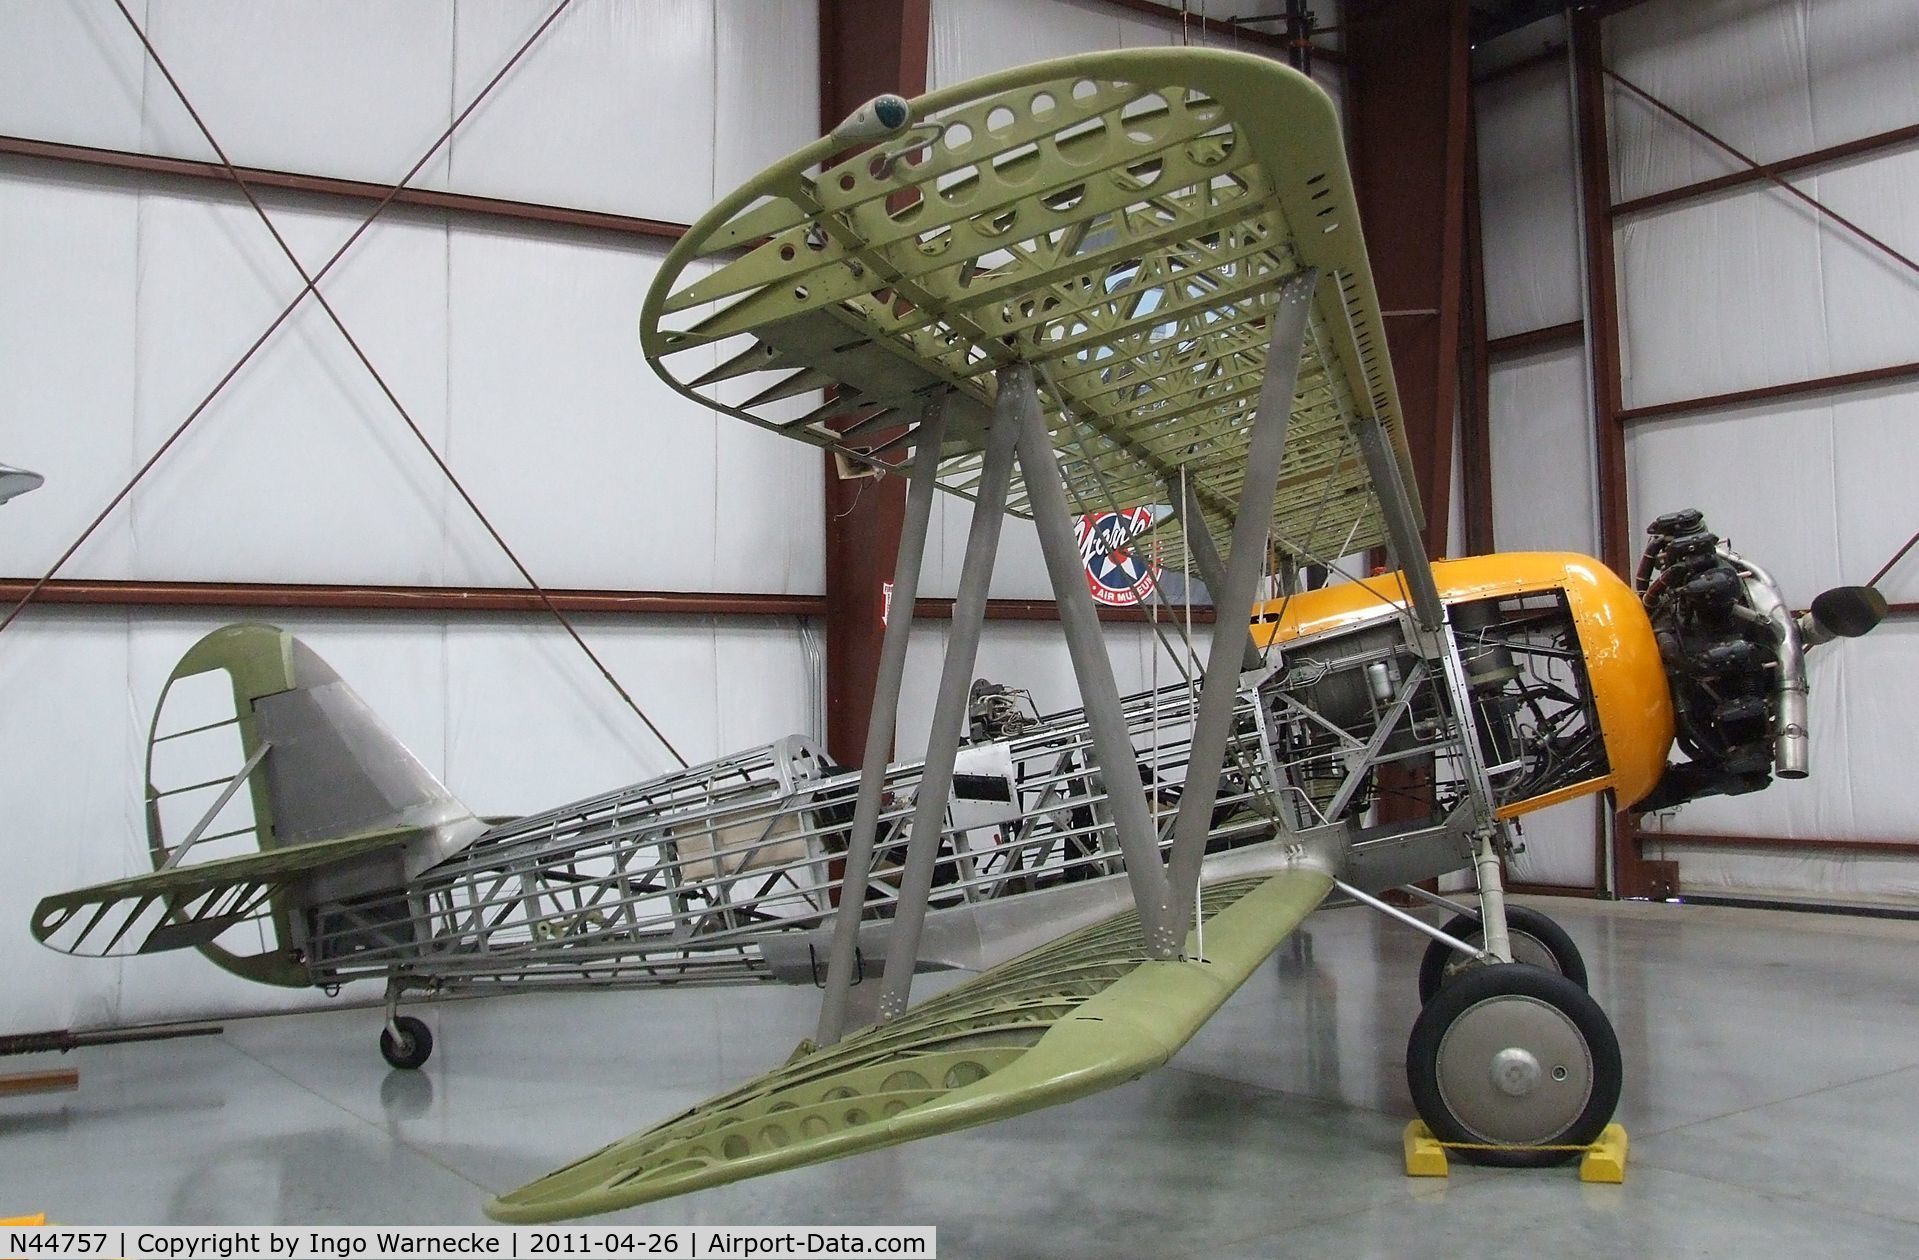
[1514, 1070]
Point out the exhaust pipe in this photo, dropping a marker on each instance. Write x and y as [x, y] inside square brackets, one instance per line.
[1790, 747]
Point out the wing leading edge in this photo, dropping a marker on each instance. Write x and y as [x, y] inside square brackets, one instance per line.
[1082, 1014]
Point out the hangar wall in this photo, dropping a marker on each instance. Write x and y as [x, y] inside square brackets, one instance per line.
[124, 297]
[125, 294]
[1738, 290]
[1751, 288]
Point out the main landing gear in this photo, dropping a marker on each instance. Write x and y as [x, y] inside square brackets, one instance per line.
[1535, 939]
[1514, 1060]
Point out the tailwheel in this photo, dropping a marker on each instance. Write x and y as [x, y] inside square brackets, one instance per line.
[1535, 939]
[413, 1045]
[1518, 1057]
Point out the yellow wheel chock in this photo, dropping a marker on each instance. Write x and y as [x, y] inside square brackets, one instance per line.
[1604, 1161]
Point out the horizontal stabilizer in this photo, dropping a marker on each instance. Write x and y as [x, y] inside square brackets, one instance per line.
[190, 905]
[1081, 1014]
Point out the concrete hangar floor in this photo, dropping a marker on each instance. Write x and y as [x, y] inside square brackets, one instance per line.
[1772, 1095]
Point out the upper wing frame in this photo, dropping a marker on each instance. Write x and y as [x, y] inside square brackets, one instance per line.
[1124, 221]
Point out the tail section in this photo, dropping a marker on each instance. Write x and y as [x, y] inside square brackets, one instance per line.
[269, 782]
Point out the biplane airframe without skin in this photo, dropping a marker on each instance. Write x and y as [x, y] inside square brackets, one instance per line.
[1074, 287]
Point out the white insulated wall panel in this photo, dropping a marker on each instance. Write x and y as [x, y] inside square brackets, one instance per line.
[353, 88]
[1753, 287]
[69, 775]
[67, 338]
[128, 306]
[971, 38]
[1869, 300]
[1718, 295]
[612, 110]
[532, 723]
[1542, 454]
[1763, 475]
[1736, 67]
[646, 109]
[577, 451]
[1560, 843]
[766, 86]
[301, 470]
[71, 72]
[1528, 191]
[1541, 450]
[1875, 445]
[1850, 878]
[1814, 490]
[1773, 79]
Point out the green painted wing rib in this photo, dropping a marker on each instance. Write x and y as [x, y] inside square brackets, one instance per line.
[190, 905]
[1079, 1015]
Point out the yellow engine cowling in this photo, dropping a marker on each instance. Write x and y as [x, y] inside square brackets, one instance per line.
[1628, 681]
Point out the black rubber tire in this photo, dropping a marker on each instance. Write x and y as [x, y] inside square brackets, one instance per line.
[1520, 921]
[1480, 985]
[414, 1046]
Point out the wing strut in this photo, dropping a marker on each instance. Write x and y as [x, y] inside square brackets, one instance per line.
[929, 438]
[949, 716]
[1402, 527]
[1092, 668]
[1233, 597]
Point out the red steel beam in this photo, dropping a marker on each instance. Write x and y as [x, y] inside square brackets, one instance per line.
[1525, 889]
[1762, 393]
[1407, 106]
[1792, 844]
[376, 598]
[1631, 874]
[1770, 171]
[353, 190]
[867, 47]
[364, 597]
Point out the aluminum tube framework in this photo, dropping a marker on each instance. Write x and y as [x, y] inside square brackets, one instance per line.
[1092, 668]
[1233, 598]
[922, 484]
[949, 709]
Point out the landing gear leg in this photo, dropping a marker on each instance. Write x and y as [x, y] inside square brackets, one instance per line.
[405, 1042]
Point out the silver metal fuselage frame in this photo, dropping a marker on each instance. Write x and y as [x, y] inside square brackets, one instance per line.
[772, 863]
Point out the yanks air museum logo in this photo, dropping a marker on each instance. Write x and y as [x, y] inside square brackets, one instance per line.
[1117, 572]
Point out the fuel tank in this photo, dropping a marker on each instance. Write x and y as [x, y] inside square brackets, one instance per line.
[1622, 663]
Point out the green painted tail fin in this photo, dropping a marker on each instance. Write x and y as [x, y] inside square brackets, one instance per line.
[258, 750]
